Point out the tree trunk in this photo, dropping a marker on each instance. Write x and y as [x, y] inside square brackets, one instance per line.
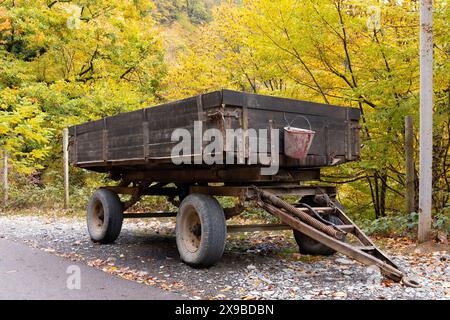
[384, 185]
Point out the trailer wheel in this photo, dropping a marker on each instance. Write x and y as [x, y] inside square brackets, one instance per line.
[104, 216]
[310, 246]
[200, 230]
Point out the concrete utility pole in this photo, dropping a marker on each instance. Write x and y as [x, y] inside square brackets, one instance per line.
[5, 176]
[426, 119]
[66, 167]
[409, 155]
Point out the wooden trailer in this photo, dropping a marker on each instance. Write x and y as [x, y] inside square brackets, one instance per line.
[137, 150]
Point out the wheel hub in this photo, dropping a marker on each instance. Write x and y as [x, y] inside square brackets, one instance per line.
[98, 215]
[192, 230]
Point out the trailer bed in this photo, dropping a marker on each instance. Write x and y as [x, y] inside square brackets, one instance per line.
[141, 140]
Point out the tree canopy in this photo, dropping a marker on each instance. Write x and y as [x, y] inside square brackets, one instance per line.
[352, 53]
[63, 62]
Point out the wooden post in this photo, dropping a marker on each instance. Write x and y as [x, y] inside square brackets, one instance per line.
[5, 176]
[66, 167]
[409, 155]
[426, 119]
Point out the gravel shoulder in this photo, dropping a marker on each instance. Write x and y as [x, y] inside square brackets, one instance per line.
[262, 265]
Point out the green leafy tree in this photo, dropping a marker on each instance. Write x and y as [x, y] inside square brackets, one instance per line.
[343, 52]
[65, 62]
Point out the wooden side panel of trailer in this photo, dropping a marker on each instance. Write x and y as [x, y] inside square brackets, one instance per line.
[337, 128]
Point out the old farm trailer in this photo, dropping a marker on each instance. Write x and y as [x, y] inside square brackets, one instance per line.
[136, 149]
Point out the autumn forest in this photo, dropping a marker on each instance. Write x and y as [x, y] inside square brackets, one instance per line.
[67, 62]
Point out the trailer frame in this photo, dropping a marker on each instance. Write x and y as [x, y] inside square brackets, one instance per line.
[267, 196]
[135, 149]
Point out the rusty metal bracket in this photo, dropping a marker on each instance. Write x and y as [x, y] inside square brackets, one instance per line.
[135, 197]
[302, 215]
[367, 254]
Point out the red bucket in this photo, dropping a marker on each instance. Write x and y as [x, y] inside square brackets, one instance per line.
[297, 141]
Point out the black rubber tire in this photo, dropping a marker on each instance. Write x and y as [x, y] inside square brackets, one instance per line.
[307, 245]
[104, 216]
[201, 230]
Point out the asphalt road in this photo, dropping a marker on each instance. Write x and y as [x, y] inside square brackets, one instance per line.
[29, 273]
